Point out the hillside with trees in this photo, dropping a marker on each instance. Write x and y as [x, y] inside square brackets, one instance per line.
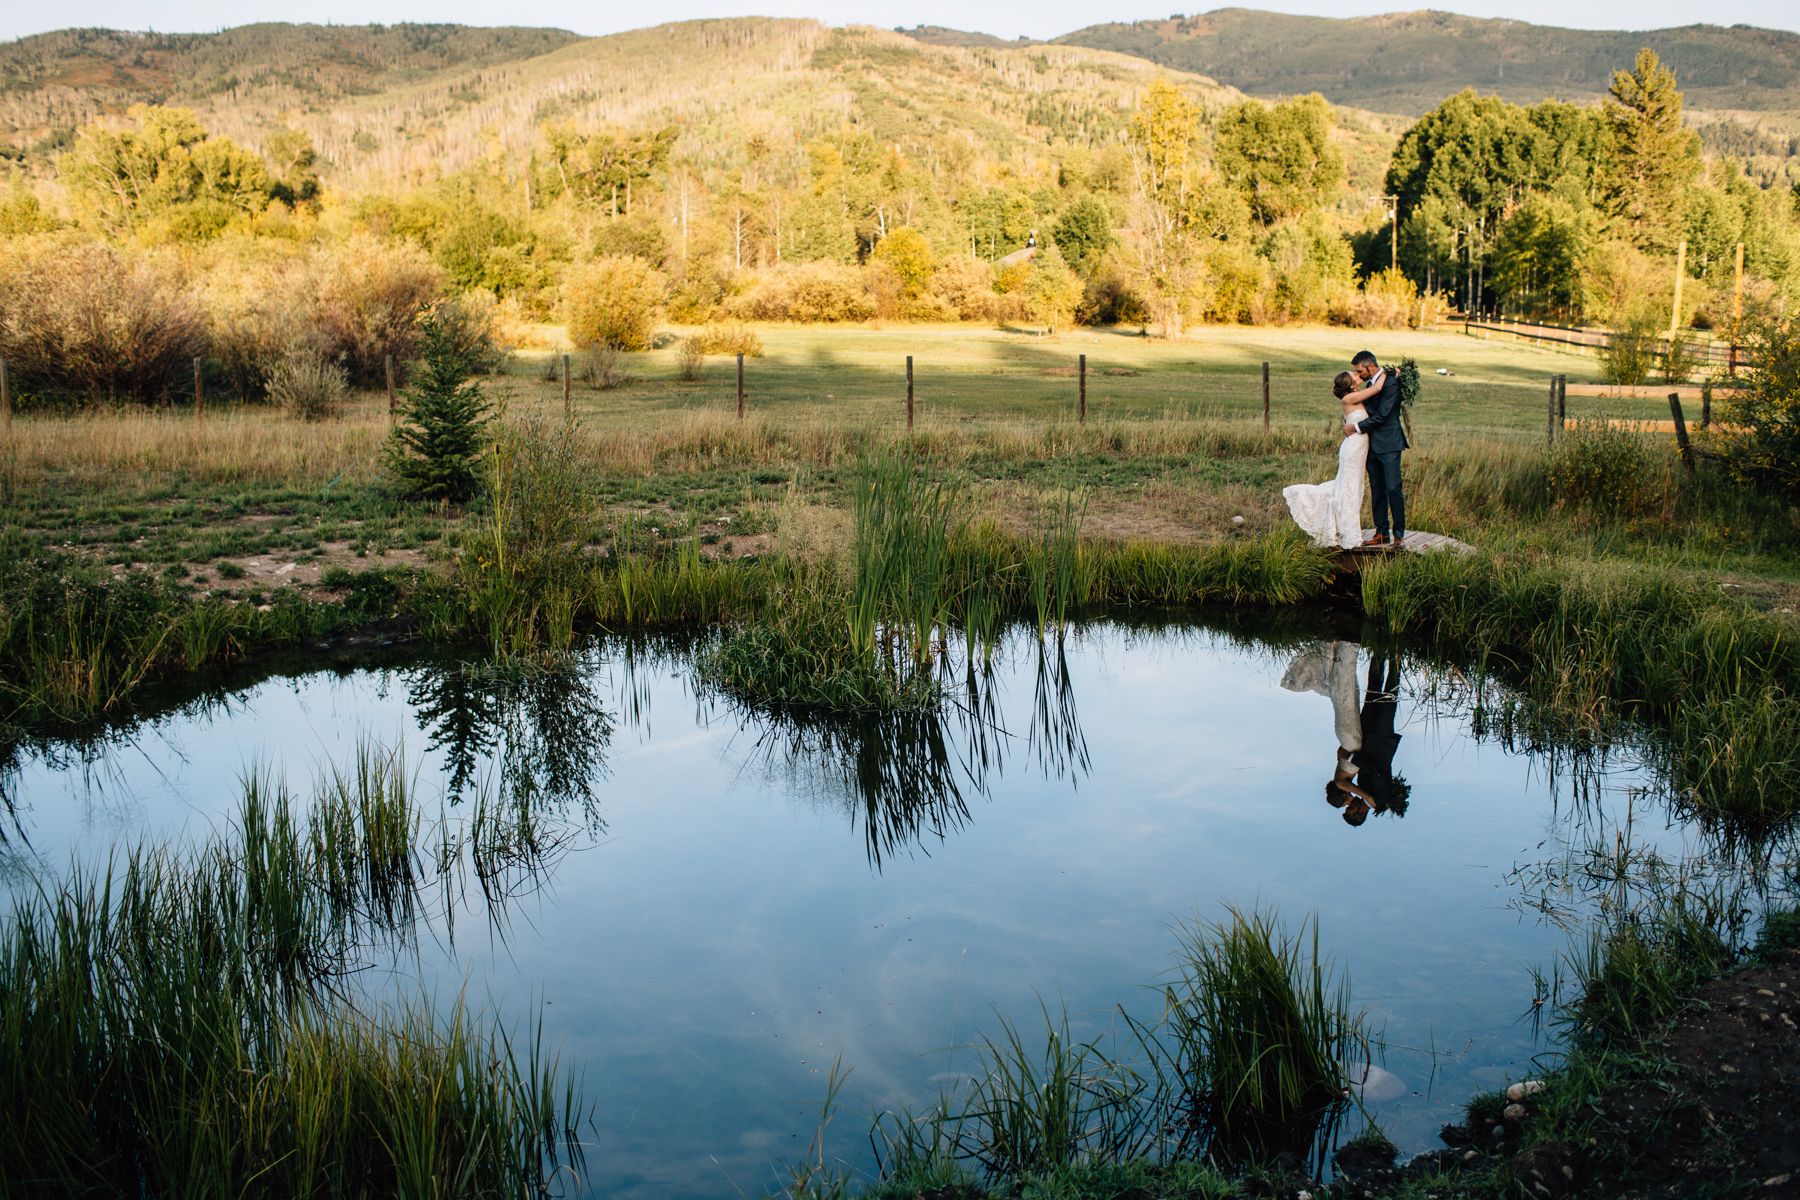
[1407, 62]
[713, 173]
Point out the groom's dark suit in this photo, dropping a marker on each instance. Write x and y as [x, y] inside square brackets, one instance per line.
[1386, 440]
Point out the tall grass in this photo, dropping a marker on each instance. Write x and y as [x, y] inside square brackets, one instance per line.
[74, 644]
[174, 1025]
[1244, 1065]
[1258, 1027]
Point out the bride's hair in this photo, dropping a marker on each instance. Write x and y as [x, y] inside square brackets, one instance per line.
[1344, 384]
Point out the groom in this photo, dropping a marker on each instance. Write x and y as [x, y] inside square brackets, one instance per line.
[1386, 441]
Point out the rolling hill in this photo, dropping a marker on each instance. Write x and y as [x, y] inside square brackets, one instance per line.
[386, 107]
[1408, 62]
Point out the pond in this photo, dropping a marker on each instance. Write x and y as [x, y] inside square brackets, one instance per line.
[733, 904]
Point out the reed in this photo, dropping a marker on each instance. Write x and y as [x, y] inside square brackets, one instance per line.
[173, 1027]
[75, 644]
[1256, 1028]
[1034, 1108]
[1243, 1066]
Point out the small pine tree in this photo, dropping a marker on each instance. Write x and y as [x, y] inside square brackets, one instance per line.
[443, 422]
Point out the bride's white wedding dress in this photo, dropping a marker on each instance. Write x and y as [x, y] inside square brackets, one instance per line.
[1332, 511]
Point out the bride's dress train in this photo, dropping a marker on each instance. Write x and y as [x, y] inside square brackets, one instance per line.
[1332, 511]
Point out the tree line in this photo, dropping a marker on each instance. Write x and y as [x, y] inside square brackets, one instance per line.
[1186, 209]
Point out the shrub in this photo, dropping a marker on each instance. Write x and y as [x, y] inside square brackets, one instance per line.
[444, 418]
[736, 338]
[1051, 290]
[253, 322]
[1109, 299]
[1386, 300]
[1231, 285]
[369, 295]
[1766, 451]
[810, 293]
[927, 307]
[1678, 360]
[1625, 362]
[613, 302]
[966, 285]
[908, 252]
[599, 368]
[309, 384]
[90, 319]
[692, 359]
[1596, 465]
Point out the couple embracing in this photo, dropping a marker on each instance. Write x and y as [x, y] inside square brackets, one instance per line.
[1373, 441]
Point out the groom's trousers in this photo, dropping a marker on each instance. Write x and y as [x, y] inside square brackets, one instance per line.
[1384, 492]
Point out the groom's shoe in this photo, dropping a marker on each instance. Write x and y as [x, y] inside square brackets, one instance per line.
[1380, 539]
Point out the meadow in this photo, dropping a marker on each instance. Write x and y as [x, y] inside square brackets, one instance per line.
[1611, 593]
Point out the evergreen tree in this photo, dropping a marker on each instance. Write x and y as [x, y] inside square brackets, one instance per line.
[443, 423]
[1653, 158]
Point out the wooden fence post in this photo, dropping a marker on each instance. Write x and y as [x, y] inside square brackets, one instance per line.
[5, 397]
[1081, 408]
[568, 404]
[1265, 399]
[1550, 414]
[1681, 438]
[1562, 401]
[393, 403]
[909, 394]
[1706, 402]
[740, 389]
[199, 392]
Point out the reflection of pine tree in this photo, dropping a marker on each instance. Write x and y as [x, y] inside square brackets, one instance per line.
[549, 732]
[460, 714]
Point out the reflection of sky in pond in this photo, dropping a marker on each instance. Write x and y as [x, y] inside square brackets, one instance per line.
[705, 958]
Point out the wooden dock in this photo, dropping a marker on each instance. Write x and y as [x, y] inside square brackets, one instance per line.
[1416, 542]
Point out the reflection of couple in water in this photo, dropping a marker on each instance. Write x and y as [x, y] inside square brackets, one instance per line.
[1363, 780]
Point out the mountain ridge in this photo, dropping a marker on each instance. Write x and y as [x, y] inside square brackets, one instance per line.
[1406, 63]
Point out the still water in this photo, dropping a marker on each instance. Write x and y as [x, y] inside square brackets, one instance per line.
[737, 903]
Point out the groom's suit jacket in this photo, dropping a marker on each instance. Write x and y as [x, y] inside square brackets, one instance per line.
[1386, 436]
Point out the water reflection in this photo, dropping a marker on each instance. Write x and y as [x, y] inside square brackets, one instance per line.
[1362, 779]
[906, 778]
[540, 719]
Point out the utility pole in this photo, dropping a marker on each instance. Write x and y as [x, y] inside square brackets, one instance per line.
[1675, 304]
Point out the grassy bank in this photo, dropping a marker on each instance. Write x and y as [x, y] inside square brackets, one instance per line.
[1589, 645]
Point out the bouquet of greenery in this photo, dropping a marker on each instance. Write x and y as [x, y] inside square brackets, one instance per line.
[1408, 372]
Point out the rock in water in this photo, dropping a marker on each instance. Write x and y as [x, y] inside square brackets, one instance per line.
[1373, 1083]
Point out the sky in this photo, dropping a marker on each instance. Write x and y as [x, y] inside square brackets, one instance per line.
[1041, 19]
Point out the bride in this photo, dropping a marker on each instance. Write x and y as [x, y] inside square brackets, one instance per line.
[1332, 511]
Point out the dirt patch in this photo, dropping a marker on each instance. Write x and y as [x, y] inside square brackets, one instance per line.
[1725, 1116]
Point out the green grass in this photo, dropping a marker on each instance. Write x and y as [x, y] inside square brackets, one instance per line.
[175, 1024]
[855, 377]
[1240, 1069]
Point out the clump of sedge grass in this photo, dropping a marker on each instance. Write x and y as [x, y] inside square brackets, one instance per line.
[1258, 1027]
[171, 1026]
